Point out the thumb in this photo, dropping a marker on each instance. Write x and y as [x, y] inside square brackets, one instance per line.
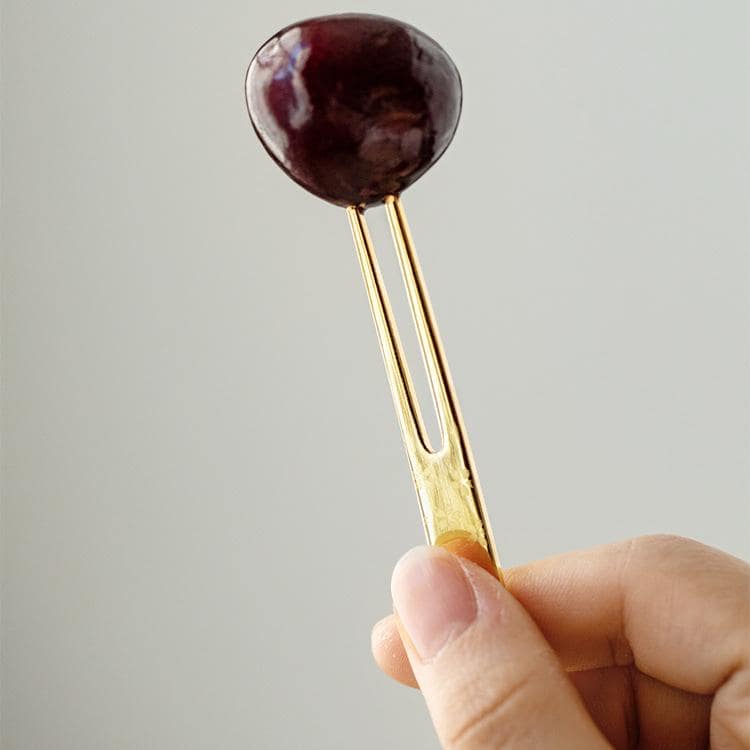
[489, 678]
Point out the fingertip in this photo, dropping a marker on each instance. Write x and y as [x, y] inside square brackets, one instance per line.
[468, 548]
[382, 633]
[389, 653]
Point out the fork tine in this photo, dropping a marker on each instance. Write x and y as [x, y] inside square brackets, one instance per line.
[424, 319]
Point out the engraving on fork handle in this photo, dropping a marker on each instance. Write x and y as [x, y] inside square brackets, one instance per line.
[450, 498]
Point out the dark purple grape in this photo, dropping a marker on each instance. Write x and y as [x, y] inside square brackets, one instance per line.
[353, 107]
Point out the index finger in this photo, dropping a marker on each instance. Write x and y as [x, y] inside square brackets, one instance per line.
[676, 609]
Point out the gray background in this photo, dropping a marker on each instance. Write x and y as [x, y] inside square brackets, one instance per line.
[204, 489]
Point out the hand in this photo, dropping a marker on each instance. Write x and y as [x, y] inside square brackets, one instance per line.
[640, 644]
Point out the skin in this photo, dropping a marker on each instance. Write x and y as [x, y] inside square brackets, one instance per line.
[640, 644]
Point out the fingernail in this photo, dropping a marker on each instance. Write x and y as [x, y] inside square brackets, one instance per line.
[433, 598]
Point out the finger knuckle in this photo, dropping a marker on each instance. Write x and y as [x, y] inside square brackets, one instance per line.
[651, 542]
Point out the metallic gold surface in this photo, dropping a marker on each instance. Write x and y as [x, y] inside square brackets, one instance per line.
[450, 498]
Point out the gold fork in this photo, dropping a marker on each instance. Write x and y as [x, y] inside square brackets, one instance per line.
[450, 498]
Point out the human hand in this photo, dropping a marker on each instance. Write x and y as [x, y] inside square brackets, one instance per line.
[642, 644]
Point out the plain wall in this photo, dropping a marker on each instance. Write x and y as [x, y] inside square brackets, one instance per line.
[204, 489]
